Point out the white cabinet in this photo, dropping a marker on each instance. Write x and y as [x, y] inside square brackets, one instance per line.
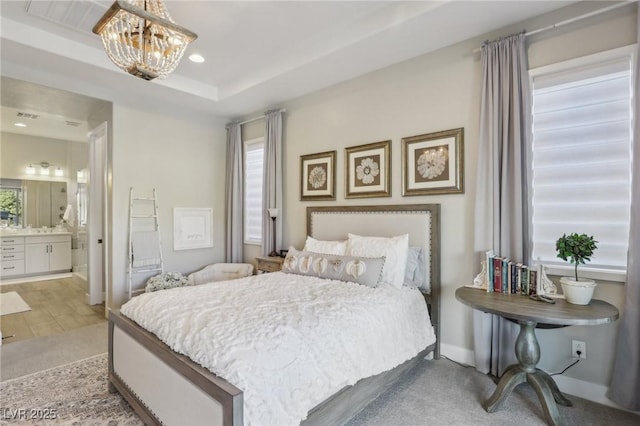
[44, 254]
[12, 256]
[37, 258]
[34, 254]
[60, 256]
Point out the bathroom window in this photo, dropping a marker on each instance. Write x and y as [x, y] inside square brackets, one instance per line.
[253, 177]
[10, 203]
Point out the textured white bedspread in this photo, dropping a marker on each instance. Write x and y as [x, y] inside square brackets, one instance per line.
[288, 341]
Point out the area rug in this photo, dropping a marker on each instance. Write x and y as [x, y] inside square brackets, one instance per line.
[72, 394]
[12, 303]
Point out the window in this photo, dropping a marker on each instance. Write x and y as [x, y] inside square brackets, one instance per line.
[10, 202]
[253, 171]
[582, 139]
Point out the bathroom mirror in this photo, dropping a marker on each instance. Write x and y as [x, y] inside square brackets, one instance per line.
[32, 202]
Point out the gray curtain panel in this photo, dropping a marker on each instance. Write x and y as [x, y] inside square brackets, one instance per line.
[272, 185]
[502, 206]
[625, 378]
[234, 196]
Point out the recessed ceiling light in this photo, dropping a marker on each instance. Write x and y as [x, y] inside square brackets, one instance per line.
[19, 124]
[198, 59]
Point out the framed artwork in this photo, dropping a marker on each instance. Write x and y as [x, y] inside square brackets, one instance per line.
[318, 176]
[192, 228]
[368, 170]
[433, 163]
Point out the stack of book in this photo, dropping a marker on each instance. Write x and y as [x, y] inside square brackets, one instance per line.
[507, 276]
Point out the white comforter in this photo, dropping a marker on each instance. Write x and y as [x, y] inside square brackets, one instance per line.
[288, 341]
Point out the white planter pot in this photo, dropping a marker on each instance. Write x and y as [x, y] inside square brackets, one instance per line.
[578, 292]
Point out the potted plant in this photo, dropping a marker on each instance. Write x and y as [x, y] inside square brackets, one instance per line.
[577, 249]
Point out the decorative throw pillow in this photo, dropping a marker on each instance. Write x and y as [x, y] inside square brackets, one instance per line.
[415, 274]
[166, 280]
[365, 271]
[394, 249]
[327, 247]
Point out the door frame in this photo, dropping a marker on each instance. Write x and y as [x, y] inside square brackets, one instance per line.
[97, 217]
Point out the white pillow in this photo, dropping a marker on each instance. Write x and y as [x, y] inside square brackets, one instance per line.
[337, 248]
[394, 249]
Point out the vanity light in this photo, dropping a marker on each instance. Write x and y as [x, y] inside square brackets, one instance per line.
[59, 172]
[44, 168]
[31, 170]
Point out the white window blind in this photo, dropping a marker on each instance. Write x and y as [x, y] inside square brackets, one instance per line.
[581, 162]
[253, 170]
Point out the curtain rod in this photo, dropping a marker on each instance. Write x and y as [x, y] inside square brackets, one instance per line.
[572, 20]
[260, 117]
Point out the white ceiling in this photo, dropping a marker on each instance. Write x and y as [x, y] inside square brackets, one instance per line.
[258, 54]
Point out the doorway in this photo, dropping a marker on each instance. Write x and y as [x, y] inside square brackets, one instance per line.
[59, 303]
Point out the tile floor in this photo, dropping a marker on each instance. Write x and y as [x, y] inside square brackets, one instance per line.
[57, 306]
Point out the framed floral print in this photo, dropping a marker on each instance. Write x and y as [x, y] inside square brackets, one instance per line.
[318, 176]
[369, 170]
[433, 163]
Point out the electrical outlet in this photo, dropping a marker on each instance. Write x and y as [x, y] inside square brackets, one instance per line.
[578, 346]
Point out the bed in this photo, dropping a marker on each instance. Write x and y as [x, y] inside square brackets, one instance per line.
[165, 387]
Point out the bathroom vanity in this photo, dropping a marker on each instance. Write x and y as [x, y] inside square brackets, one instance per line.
[34, 253]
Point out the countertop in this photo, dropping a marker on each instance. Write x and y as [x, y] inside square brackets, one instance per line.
[32, 233]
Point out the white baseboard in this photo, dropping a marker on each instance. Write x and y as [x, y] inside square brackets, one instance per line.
[587, 390]
[28, 279]
[458, 354]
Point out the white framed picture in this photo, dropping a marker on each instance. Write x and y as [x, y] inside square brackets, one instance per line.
[192, 228]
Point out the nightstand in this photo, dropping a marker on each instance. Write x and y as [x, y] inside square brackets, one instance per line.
[269, 264]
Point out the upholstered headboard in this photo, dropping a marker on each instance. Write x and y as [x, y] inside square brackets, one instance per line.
[420, 221]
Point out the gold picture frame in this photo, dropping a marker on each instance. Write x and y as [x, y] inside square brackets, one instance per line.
[433, 163]
[318, 176]
[368, 170]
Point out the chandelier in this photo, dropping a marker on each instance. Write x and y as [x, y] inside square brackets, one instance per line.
[140, 37]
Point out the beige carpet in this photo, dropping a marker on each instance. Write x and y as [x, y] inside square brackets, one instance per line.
[12, 303]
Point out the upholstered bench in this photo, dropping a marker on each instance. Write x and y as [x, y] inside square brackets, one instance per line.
[220, 272]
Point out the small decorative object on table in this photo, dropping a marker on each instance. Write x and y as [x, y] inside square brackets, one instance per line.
[576, 248]
[545, 285]
[480, 281]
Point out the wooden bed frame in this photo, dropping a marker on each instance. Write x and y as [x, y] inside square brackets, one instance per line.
[164, 387]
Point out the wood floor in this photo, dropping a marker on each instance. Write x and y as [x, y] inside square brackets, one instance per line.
[57, 306]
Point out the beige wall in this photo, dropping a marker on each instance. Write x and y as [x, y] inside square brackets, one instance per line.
[440, 91]
[18, 151]
[185, 161]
